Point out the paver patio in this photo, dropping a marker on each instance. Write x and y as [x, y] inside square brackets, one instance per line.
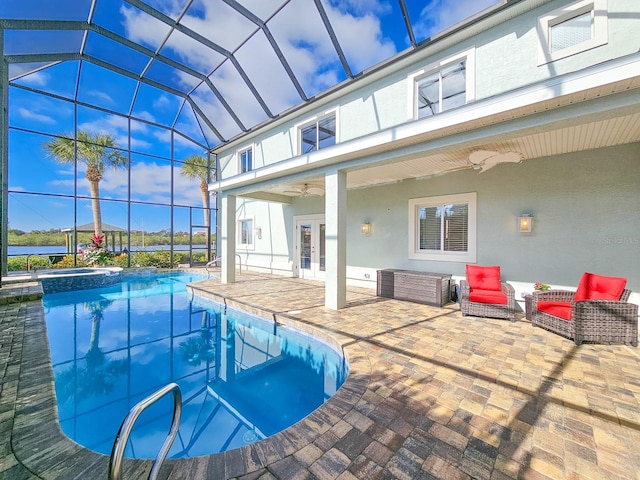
[430, 394]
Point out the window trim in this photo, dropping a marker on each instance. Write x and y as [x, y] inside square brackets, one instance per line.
[314, 121]
[412, 79]
[599, 11]
[246, 246]
[471, 199]
[239, 153]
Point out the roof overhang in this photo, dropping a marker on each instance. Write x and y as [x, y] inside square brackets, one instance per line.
[600, 96]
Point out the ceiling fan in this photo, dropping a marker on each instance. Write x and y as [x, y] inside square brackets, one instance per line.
[305, 190]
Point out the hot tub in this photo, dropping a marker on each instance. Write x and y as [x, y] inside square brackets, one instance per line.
[68, 279]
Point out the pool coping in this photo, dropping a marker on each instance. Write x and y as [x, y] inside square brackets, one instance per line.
[39, 444]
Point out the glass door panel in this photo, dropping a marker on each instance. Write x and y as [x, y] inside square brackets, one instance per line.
[305, 246]
[310, 246]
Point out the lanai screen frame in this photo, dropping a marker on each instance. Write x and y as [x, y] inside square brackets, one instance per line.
[5, 128]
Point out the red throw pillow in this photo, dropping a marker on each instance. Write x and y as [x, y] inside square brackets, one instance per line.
[599, 287]
[483, 278]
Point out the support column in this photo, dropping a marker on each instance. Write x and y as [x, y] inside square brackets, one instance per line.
[228, 238]
[335, 290]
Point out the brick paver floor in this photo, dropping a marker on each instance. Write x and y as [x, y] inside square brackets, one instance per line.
[430, 394]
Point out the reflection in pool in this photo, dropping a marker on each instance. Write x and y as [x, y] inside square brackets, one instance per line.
[242, 378]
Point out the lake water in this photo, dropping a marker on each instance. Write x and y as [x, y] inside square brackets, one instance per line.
[61, 250]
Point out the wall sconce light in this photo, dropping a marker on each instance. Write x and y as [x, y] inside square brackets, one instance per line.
[259, 232]
[366, 228]
[525, 222]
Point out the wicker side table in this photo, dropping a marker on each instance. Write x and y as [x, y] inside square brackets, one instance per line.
[528, 306]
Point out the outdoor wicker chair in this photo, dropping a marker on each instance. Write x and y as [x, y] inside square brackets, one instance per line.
[597, 312]
[483, 295]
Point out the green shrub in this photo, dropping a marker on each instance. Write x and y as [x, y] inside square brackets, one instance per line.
[159, 259]
[16, 264]
[121, 260]
[37, 262]
[181, 257]
[67, 262]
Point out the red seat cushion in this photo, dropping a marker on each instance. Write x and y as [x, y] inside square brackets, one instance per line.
[557, 309]
[487, 296]
[483, 278]
[599, 287]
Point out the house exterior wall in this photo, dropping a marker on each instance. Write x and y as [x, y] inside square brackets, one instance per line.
[271, 248]
[585, 209]
[506, 58]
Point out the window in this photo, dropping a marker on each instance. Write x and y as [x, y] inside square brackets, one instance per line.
[245, 233]
[441, 90]
[572, 29]
[570, 32]
[442, 86]
[443, 228]
[245, 158]
[318, 134]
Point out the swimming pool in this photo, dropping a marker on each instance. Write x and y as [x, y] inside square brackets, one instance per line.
[242, 378]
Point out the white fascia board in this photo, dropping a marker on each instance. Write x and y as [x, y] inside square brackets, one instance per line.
[592, 77]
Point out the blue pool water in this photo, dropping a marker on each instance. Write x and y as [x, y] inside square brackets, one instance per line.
[242, 378]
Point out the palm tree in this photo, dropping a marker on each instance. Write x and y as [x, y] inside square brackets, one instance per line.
[196, 167]
[98, 153]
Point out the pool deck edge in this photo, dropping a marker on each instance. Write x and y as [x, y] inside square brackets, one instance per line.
[37, 443]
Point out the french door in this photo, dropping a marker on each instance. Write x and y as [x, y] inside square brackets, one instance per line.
[310, 249]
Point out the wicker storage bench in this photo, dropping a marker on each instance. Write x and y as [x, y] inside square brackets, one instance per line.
[421, 287]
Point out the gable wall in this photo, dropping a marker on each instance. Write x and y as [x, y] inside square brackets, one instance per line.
[506, 58]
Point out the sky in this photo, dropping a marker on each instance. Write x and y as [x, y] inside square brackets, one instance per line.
[254, 86]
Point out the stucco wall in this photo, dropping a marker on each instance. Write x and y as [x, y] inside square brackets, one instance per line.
[585, 207]
[271, 248]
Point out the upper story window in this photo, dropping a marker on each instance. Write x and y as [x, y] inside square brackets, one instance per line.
[571, 32]
[572, 29]
[319, 133]
[442, 90]
[442, 86]
[245, 159]
[443, 228]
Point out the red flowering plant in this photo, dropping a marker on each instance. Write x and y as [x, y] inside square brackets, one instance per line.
[97, 254]
[97, 241]
[541, 286]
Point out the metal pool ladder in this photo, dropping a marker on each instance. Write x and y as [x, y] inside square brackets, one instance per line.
[120, 442]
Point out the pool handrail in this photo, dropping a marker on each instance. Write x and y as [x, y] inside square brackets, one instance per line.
[122, 437]
[214, 262]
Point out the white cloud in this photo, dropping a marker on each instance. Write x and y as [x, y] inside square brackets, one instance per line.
[151, 182]
[162, 102]
[36, 117]
[101, 95]
[36, 79]
[358, 35]
[145, 115]
[297, 28]
[438, 15]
